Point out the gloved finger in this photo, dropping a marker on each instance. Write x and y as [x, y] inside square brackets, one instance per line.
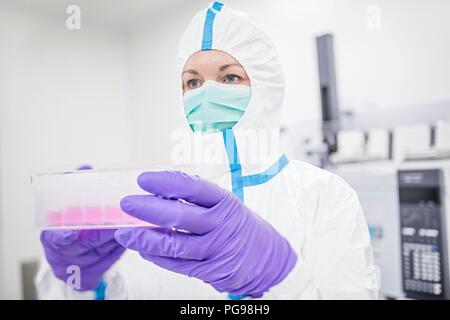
[91, 240]
[162, 242]
[179, 185]
[178, 265]
[95, 238]
[59, 238]
[100, 250]
[64, 241]
[107, 249]
[170, 213]
[84, 167]
[81, 256]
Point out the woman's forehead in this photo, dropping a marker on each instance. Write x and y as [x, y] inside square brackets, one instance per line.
[209, 58]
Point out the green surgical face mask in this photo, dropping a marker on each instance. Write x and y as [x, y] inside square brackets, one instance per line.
[215, 106]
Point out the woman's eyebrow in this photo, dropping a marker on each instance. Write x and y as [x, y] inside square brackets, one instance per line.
[191, 71]
[225, 66]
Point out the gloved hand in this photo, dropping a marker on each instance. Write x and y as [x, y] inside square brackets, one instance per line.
[93, 251]
[228, 246]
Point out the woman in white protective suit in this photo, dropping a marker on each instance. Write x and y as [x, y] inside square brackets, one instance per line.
[267, 227]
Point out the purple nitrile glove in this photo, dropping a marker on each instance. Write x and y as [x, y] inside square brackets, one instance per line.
[229, 246]
[92, 251]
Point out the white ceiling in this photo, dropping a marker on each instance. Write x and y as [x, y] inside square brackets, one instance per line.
[120, 13]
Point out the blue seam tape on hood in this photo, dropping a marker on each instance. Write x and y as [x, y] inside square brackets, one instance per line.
[208, 26]
[217, 6]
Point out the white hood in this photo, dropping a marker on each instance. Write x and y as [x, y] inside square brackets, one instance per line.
[257, 133]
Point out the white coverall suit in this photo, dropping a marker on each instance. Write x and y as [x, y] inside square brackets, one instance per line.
[315, 210]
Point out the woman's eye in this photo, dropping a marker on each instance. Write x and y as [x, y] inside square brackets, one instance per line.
[231, 78]
[194, 83]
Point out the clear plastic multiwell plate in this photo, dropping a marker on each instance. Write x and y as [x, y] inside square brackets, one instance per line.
[90, 199]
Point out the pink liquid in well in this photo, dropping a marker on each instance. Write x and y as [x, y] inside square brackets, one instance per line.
[77, 216]
[55, 218]
[93, 215]
[134, 220]
[115, 215]
[72, 216]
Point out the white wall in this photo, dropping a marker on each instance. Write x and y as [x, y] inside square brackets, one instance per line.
[64, 101]
[155, 79]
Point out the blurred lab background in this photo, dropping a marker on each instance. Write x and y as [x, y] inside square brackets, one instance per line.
[368, 96]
